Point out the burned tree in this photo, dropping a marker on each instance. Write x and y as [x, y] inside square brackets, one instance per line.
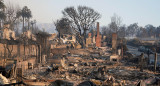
[115, 23]
[25, 13]
[82, 19]
[132, 29]
[12, 17]
[63, 26]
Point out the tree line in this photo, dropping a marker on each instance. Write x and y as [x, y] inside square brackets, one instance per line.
[132, 30]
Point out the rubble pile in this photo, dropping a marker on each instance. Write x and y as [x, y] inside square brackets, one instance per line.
[90, 70]
[3, 80]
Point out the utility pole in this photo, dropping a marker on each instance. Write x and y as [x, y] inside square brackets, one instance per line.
[32, 25]
[155, 62]
[141, 62]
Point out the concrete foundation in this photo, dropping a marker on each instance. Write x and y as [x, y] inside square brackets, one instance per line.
[114, 58]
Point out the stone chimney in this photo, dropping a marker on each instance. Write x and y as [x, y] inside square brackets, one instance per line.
[98, 38]
[114, 43]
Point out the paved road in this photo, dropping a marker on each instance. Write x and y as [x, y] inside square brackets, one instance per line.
[134, 51]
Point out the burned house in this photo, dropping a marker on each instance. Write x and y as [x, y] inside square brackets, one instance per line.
[95, 39]
[7, 33]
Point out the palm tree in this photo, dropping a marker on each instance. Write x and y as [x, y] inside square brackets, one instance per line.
[29, 15]
[2, 17]
[24, 13]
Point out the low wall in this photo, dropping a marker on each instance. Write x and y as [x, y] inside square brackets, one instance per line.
[58, 51]
[29, 50]
[24, 64]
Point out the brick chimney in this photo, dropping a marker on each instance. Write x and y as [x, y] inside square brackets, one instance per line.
[98, 38]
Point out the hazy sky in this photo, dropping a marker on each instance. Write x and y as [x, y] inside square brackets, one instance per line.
[142, 12]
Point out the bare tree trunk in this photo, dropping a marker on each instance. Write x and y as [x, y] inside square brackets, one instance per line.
[83, 43]
[80, 39]
[84, 40]
[23, 25]
[9, 50]
[28, 23]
